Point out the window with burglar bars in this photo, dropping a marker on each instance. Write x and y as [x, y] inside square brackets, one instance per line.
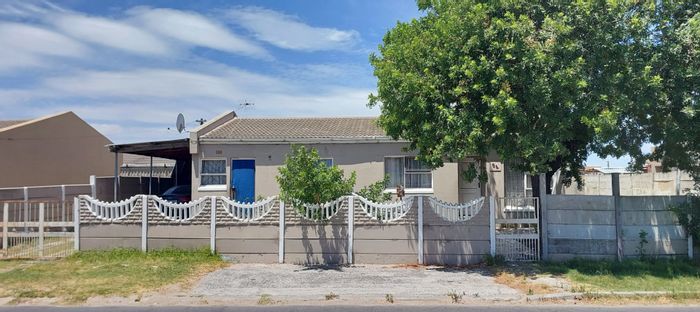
[213, 172]
[408, 172]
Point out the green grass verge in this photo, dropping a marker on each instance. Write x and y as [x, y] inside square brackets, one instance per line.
[675, 275]
[120, 272]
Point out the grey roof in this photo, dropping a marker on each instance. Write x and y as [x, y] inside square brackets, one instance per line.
[298, 129]
[9, 123]
[133, 160]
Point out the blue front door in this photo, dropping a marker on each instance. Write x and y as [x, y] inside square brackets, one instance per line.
[243, 179]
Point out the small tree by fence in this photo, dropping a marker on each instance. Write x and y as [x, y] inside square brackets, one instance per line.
[305, 179]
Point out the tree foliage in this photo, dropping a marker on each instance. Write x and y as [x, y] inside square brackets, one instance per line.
[305, 179]
[544, 83]
[376, 191]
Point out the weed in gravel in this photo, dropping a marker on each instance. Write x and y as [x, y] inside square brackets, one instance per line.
[389, 298]
[331, 296]
[265, 299]
[455, 297]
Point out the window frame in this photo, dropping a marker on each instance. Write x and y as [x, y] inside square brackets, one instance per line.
[201, 174]
[321, 159]
[407, 189]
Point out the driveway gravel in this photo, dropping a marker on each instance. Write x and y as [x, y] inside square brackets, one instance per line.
[364, 283]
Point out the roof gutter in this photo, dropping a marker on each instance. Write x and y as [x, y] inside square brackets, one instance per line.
[305, 141]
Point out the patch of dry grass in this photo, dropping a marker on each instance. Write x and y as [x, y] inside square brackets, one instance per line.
[522, 283]
[120, 272]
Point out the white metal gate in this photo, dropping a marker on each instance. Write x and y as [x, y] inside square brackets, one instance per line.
[517, 228]
[36, 229]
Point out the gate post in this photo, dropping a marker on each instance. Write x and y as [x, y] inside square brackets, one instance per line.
[420, 230]
[492, 225]
[351, 226]
[280, 257]
[76, 223]
[544, 233]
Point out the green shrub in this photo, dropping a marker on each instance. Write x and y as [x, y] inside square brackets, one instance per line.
[375, 191]
[305, 179]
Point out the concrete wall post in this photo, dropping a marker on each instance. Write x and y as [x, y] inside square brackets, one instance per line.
[618, 215]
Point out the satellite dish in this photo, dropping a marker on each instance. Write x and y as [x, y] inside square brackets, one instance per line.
[180, 123]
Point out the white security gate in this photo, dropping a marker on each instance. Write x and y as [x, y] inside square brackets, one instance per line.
[517, 228]
[36, 229]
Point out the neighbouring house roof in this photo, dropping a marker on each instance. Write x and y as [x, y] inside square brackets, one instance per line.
[298, 130]
[9, 123]
[139, 166]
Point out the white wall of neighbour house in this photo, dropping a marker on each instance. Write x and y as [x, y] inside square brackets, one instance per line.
[366, 159]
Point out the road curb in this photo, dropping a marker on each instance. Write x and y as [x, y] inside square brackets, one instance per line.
[623, 294]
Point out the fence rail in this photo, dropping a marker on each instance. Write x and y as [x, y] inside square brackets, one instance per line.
[37, 229]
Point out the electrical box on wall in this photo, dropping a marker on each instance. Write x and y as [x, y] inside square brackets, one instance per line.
[495, 167]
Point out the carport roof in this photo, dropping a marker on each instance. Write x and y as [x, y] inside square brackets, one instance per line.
[172, 149]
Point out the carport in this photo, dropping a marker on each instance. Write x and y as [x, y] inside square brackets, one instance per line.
[178, 150]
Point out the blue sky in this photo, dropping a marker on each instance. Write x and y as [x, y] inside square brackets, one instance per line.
[129, 67]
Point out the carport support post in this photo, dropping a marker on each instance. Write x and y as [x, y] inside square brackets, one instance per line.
[212, 226]
[618, 214]
[144, 223]
[544, 232]
[420, 230]
[76, 223]
[351, 225]
[280, 257]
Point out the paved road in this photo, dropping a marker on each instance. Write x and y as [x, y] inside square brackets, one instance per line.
[397, 308]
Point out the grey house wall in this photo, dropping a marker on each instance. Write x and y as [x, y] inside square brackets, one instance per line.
[583, 226]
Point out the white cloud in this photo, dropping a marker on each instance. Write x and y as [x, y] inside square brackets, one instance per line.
[195, 29]
[228, 85]
[110, 33]
[288, 32]
[24, 45]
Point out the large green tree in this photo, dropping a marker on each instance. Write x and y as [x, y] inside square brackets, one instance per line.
[543, 83]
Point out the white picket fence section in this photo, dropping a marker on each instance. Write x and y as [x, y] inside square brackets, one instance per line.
[316, 212]
[36, 229]
[248, 211]
[110, 211]
[386, 212]
[456, 212]
[179, 212]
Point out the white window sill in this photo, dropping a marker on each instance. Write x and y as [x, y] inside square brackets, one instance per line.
[412, 191]
[211, 188]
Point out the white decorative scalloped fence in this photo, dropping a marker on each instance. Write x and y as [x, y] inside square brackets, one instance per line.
[351, 229]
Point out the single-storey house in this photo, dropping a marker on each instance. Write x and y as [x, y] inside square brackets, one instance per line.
[52, 150]
[240, 157]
